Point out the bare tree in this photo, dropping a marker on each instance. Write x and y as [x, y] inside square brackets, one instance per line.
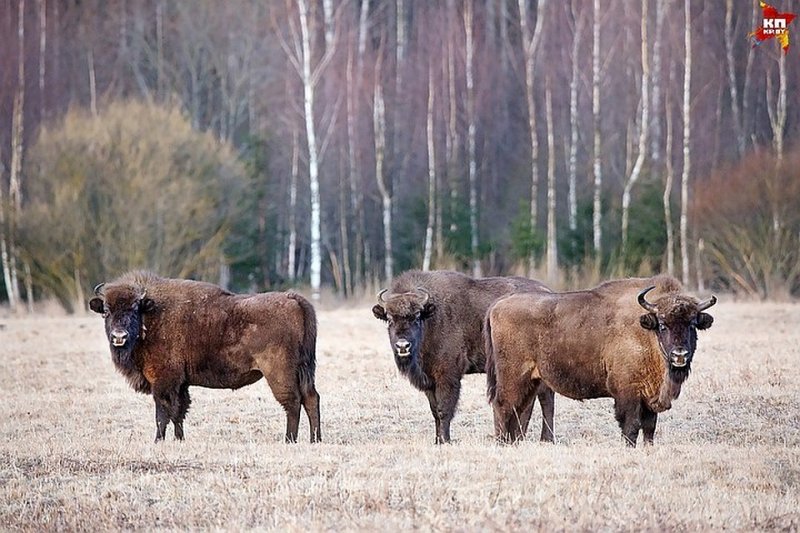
[643, 131]
[42, 55]
[426, 260]
[669, 178]
[471, 151]
[552, 238]
[687, 131]
[573, 120]
[597, 235]
[732, 87]
[379, 122]
[292, 251]
[530, 44]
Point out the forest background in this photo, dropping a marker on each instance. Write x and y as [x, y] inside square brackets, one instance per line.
[331, 145]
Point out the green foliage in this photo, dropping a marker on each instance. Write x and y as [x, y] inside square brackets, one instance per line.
[647, 232]
[525, 241]
[134, 187]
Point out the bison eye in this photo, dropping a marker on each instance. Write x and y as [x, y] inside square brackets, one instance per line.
[662, 327]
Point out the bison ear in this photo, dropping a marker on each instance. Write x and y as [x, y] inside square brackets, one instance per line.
[649, 321]
[379, 312]
[427, 311]
[704, 320]
[147, 305]
[96, 305]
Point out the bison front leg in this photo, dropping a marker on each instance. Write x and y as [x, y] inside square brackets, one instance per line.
[649, 419]
[446, 396]
[628, 415]
[171, 404]
[161, 419]
[434, 411]
[183, 406]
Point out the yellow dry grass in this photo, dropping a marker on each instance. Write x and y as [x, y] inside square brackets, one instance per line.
[76, 448]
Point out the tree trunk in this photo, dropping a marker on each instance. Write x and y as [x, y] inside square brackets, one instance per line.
[426, 259]
[471, 149]
[731, 63]
[354, 174]
[552, 238]
[597, 229]
[573, 126]
[687, 130]
[160, 50]
[309, 84]
[670, 176]
[379, 121]
[42, 57]
[452, 140]
[643, 130]
[291, 269]
[655, 120]
[530, 44]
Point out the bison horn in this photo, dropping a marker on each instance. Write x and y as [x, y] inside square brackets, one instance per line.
[705, 304]
[97, 289]
[427, 295]
[644, 303]
[380, 296]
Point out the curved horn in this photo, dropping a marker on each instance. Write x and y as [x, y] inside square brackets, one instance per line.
[380, 296]
[97, 289]
[644, 303]
[705, 304]
[427, 295]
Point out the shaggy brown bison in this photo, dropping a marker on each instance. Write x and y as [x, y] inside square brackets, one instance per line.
[435, 322]
[168, 334]
[592, 344]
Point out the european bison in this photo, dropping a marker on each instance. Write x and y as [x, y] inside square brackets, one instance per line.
[168, 334]
[435, 322]
[593, 344]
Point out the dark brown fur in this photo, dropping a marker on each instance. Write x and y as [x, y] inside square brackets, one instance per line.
[592, 344]
[183, 333]
[445, 335]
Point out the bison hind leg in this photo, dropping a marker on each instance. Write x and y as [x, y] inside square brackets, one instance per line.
[311, 405]
[286, 389]
[183, 406]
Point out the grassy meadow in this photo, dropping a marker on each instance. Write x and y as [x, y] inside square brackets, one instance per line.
[77, 451]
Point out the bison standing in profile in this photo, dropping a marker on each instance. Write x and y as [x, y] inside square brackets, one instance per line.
[435, 322]
[168, 334]
[595, 344]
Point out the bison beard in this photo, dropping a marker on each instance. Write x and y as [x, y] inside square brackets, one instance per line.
[593, 344]
[435, 324]
[168, 334]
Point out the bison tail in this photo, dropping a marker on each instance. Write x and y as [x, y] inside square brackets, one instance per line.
[308, 346]
[491, 374]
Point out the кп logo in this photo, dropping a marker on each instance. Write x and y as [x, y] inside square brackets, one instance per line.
[774, 25]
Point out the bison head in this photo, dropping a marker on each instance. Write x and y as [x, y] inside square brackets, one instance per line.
[404, 313]
[122, 306]
[676, 319]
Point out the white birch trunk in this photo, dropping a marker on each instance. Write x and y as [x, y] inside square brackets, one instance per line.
[552, 237]
[643, 131]
[92, 81]
[670, 176]
[471, 149]
[311, 138]
[573, 129]
[354, 174]
[291, 252]
[597, 229]
[426, 259]
[379, 121]
[42, 55]
[655, 117]
[687, 131]
[731, 64]
[327, 12]
[452, 138]
[530, 44]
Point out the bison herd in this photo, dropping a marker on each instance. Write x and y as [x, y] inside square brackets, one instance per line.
[632, 340]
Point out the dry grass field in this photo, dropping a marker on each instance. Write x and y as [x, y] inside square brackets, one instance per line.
[77, 451]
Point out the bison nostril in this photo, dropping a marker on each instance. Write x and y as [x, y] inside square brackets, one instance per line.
[680, 352]
[402, 345]
[118, 338]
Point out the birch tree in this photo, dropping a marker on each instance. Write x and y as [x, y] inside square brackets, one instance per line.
[669, 178]
[573, 121]
[471, 150]
[430, 141]
[643, 131]
[552, 238]
[732, 82]
[597, 235]
[530, 45]
[379, 124]
[687, 132]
